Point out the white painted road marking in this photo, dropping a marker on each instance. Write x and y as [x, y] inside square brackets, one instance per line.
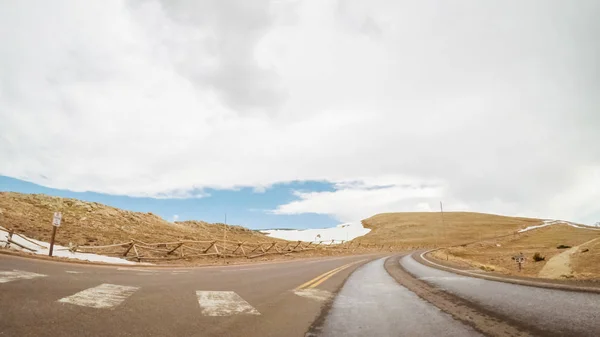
[103, 296]
[7, 276]
[223, 303]
[314, 293]
[73, 272]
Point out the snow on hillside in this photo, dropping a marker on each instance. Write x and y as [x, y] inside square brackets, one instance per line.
[340, 232]
[42, 248]
[556, 222]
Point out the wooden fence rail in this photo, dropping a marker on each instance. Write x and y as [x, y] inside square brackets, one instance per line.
[138, 250]
[187, 249]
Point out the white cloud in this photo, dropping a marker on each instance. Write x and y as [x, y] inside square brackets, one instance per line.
[175, 217]
[491, 105]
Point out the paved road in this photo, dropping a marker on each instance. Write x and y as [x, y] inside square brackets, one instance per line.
[555, 312]
[41, 298]
[372, 303]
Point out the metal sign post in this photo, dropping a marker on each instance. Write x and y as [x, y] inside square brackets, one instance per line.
[55, 224]
[519, 259]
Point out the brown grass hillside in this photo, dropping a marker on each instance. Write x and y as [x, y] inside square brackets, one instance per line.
[425, 229]
[90, 223]
[496, 254]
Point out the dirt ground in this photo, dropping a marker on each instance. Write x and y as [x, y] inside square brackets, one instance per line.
[496, 254]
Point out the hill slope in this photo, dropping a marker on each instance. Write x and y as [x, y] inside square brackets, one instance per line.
[551, 241]
[425, 229]
[90, 223]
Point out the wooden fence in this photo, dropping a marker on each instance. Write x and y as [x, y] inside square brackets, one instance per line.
[188, 249]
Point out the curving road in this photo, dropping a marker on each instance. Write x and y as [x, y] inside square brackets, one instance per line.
[41, 298]
[554, 312]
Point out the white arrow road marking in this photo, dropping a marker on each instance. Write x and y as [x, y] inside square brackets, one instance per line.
[103, 296]
[314, 293]
[223, 303]
[7, 276]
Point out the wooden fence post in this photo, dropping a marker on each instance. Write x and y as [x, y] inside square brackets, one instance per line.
[238, 247]
[10, 235]
[298, 244]
[273, 245]
[128, 249]
[174, 249]
[209, 247]
[136, 253]
[259, 246]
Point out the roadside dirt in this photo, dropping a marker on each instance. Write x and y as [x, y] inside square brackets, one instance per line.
[496, 254]
[469, 313]
[559, 265]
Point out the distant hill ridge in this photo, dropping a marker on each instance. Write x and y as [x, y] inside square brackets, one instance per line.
[92, 223]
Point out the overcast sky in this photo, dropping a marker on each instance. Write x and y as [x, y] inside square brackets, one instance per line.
[490, 106]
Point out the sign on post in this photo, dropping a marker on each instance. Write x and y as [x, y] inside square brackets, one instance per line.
[519, 259]
[57, 218]
[55, 224]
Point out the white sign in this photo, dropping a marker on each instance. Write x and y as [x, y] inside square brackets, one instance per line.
[56, 219]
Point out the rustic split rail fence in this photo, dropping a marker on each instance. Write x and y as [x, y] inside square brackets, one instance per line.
[188, 249]
[141, 251]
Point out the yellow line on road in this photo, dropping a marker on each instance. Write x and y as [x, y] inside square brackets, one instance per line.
[323, 277]
[314, 285]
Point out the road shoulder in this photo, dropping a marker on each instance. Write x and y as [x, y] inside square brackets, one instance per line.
[469, 313]
[578, 286]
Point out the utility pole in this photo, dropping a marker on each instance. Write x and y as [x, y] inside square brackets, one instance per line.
[444, 227]
[225, 229]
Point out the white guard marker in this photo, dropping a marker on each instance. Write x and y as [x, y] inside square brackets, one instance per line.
[223, 303]
[103, 296]
[7, 276]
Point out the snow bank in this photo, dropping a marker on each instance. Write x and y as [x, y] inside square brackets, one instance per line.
[340, 232]
[556, 222]
[42, 248]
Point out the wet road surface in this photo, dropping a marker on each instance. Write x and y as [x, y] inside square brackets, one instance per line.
[557, 312]
[372, 303]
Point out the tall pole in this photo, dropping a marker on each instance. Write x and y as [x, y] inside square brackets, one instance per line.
[225, 229]
[444, 227]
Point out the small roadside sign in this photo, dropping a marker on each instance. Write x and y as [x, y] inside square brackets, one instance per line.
[519, 259]
[57, 218]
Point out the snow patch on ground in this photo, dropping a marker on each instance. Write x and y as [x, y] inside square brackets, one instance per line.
[343, 232]
[557, 222]
[42, 248]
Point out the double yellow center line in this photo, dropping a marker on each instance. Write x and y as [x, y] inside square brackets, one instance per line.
[325, 276]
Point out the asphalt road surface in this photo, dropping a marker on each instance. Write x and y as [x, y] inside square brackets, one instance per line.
[371, 303]
[554, 312]
[45, 298]
[42, 298]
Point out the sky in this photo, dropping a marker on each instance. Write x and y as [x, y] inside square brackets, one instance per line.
[304, 113]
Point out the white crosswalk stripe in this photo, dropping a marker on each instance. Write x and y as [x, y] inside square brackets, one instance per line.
[223, 303]
[7, 276]
[103, 296]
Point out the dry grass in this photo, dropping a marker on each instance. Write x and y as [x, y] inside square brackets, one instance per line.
[90, 223]
[425, 229]
[496, 254]
[585, 263]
